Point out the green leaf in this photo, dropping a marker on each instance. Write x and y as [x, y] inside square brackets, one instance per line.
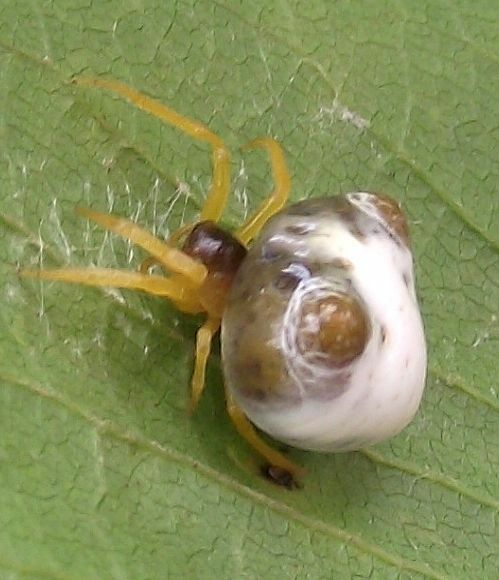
[103, 474]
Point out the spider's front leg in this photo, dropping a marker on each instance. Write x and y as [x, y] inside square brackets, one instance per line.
[278, 197]
[216, 198]
[182, 288]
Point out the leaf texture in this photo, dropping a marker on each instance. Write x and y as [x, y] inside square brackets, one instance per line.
[103, 474]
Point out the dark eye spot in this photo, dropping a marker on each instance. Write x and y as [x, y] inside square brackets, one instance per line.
[291, 276]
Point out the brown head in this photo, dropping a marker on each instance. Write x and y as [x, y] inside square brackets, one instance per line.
[222, 255]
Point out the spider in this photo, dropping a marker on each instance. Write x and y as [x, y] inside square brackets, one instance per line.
[322, 341]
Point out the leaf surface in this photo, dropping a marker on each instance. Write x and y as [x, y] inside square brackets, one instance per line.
[103, 474]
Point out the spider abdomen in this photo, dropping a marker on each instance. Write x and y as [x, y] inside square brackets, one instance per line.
[322, 340]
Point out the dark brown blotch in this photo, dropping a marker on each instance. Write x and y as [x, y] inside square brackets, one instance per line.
[259, 366]
[349, 215]
[217, 249]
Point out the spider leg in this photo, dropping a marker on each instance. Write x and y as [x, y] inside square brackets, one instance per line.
[183, 297]
[276, 200]
[168, 256]
[150, 262]
[219, 191]
[147, 264]
[203, 346]
[248, 432]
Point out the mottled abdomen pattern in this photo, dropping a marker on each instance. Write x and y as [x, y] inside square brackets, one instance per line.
[322, 341]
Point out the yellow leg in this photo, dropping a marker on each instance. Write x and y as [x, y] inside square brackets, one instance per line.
[251, 228]
[150, 262]
[108, 277]
[173, 240]
[170, 257]
[147, 264]
[248, 432]
[203, 346]
[219, 191]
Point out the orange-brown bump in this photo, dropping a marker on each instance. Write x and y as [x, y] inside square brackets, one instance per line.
[393, 215]
[336, 326]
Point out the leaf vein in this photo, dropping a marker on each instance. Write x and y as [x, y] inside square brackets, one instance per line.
[443, 480]
[106, 427]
